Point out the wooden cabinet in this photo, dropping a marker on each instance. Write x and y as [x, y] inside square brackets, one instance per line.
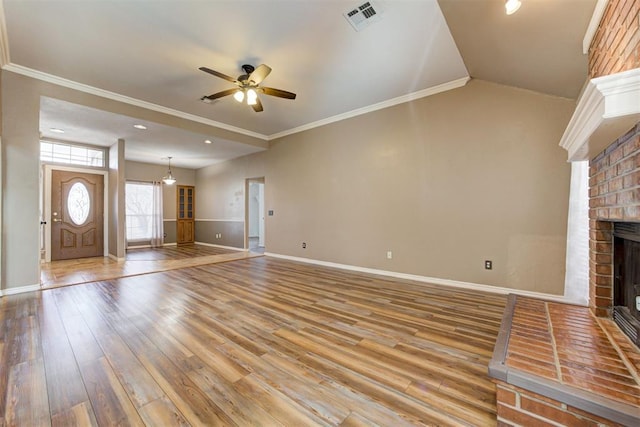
[186, 208]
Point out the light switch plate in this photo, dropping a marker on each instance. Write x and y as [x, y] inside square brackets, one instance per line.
[638, 302]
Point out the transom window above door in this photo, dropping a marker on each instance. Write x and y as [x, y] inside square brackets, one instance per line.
[69, 154]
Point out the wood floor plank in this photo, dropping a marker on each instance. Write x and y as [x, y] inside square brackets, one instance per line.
[162, 412]
[65, 387]
[108, 398]
[242, 410]
[27, 400]
[277, 405]
[255, 341]
[81, 415]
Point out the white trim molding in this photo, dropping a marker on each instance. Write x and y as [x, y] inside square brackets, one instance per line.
[115, 258]
[4, 39]
[20, 290]
[219, 220]
[222, 246]
[598, 11]
[608, 107]
[433, 280]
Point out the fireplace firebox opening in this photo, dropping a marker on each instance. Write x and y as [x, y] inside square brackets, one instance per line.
[626, 283]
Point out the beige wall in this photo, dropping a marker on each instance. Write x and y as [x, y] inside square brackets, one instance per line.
[148, 172]
[20, 186]
[444, 182]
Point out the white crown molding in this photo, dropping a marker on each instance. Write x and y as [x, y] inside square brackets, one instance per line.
[454, 84]
[4, 39]
[608, 107]
[598, 11]
[433, 280]
[49, 78]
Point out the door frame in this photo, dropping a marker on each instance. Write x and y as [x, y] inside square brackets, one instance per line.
[248, 181]
[46, 214]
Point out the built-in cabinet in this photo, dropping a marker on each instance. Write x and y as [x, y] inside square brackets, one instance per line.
[186, 208]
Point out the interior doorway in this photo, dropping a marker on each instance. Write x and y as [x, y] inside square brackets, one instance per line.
[254, 218]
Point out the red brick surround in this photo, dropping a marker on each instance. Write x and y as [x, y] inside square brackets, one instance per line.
[616, 44]
[614, 195]
[517, 406]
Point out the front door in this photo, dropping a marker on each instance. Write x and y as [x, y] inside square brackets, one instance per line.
[76, 215]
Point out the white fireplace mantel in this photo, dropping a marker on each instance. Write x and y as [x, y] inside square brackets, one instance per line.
[608, 107]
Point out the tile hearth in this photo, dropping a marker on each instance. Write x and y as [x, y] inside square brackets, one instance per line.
[570, 360]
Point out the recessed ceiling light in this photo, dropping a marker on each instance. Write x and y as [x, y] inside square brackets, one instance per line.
[143, 127]
[207, 141]
[512, 6]
[56, 130]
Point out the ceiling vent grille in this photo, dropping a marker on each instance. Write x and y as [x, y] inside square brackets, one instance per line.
[362, 16]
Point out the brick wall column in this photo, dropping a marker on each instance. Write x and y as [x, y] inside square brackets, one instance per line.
[600, 267]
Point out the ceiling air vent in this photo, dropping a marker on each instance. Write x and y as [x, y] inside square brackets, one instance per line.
[363, 15]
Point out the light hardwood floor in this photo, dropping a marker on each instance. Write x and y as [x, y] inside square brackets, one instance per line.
[257, 341]
[137, 261]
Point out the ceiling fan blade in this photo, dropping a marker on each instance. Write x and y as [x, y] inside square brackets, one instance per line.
[217, 74]
[259, 74]
[277, 92]
[220, 94]
[257, 107]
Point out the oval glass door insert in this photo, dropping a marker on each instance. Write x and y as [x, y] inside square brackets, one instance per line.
[78, 203]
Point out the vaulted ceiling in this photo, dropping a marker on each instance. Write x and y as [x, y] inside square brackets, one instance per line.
[149, 52]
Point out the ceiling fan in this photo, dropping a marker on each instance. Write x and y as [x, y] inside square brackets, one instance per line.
[248, 86]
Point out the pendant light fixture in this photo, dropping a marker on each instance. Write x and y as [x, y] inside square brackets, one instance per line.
[169, 179]
[512, 6]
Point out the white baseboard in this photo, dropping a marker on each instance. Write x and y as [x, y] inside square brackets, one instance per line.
[170, 244]
[115, 258]
[433, 280]
[20, 290]
[233, 248]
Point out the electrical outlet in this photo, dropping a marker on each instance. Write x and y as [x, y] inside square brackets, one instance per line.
[304, 245]
[389, 255]
[488, 265]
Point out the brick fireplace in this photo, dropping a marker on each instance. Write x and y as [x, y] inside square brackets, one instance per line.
[614, 173]
[538, 388]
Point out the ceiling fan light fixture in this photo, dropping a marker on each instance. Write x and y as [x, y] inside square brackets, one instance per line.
[512, 6]
[239, 96]
[169, 179]
[252, 97]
